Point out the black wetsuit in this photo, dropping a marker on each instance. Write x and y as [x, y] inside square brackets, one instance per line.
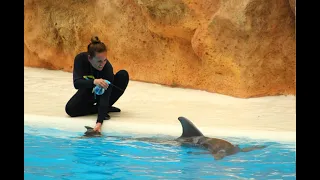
[83, 102]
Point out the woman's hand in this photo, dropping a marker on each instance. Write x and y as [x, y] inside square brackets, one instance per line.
[102, 83]
[98, 127]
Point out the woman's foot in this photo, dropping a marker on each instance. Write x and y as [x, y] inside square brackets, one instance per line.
[113, 109]
[107, 117]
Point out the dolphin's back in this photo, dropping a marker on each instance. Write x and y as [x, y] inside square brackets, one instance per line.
[188, 128]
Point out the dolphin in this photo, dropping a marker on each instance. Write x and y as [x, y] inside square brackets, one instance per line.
[219, 148]
[191, 135]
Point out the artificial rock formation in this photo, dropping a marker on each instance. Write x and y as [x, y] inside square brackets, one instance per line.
[293, 6]
[241, 48]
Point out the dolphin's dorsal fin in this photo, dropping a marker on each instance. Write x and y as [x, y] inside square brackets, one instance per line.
[88, 127]
[188, 128]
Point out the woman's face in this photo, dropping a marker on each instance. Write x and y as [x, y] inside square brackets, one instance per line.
[99, 61]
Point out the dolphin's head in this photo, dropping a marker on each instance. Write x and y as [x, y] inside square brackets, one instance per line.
[91, 132]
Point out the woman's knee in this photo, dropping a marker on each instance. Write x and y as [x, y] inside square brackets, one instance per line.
[70, 110]
[123, 74]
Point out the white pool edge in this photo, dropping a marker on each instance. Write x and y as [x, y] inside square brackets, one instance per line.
[148, 129]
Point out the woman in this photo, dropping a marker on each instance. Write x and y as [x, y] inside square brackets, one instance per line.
[92, 68]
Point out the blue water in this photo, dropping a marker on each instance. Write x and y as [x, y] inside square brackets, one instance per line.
[55, 154]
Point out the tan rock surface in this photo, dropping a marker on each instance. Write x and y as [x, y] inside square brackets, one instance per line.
[293, 6]
[242, 48]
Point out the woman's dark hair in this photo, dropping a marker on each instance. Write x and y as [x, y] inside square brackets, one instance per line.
[96, 46]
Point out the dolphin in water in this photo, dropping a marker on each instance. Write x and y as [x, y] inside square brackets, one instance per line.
[191, 135]
[219, 148]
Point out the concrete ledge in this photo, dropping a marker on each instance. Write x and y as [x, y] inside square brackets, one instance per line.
[150, 109]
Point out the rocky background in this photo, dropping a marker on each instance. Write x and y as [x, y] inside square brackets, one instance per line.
[241, 48]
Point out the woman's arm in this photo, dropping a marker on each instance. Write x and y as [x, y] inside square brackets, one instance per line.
[79, 81]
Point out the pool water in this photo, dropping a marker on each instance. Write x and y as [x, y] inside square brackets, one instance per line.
[55, 154]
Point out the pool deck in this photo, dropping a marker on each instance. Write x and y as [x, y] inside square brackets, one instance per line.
[150, 109]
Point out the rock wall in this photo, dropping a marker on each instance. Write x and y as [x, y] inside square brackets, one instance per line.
[241, 48]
